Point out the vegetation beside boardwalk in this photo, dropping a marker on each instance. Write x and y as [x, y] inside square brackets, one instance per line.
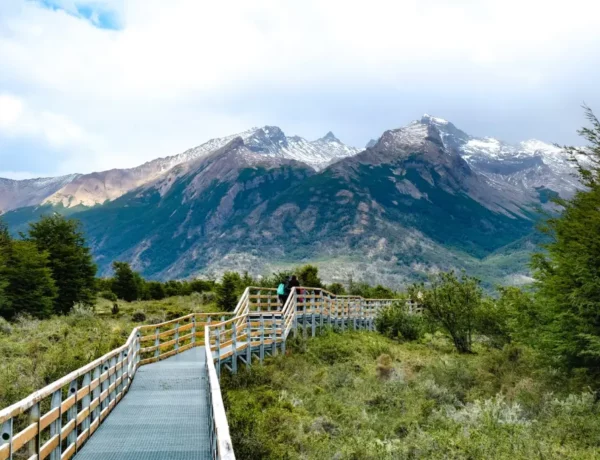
[364, 396]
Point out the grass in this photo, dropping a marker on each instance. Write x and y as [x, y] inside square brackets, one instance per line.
[363, 396]
[37, 352]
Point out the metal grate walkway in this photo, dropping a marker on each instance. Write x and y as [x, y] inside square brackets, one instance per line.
[164, 416]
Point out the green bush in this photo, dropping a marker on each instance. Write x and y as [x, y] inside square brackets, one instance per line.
[108, 295]
[138, 317]
[396, 322]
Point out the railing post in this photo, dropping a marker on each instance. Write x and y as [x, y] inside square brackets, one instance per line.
[7, 436]
[72, 413]
[321, 314]
[329, 309]
[217, 348]
[283, 338]
[33, 446]
[56, 426]
[234, 347]
[137, 351]
[304, 316]
[157, 342]
[261, 350]
[85, 403]
[248, 342]
[193, 331]
[273, 337]
[176, 336]
[120, 360]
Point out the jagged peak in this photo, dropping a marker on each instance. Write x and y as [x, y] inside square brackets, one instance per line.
[330, 137]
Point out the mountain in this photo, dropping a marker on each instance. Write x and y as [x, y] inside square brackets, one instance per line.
[421, 198]
[20, 193]
[172, 226]
[100, 187]
[529, 166]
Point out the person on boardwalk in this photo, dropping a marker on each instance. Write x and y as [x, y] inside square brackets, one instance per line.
[291, 283]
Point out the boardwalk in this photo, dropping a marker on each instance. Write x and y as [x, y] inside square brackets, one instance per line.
[163, 417]
[157, 397]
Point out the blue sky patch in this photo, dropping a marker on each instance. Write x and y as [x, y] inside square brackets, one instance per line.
[91, 11]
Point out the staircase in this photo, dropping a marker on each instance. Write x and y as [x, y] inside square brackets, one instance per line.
[161, 388]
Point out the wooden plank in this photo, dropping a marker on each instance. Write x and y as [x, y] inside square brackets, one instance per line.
[67, 404]
[67, 429]
[48, 418]
[83, 414]
[68, 453]
[148, 361]
[94, 426]
[168, 344]
[4, 451]
[83, 392]
[49, 446]
[187, 327]
[95, 402]
[81, 438]
[23, 437]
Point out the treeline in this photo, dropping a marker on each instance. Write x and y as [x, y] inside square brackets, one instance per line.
[559, 315]
[47, 271]
[129, 285]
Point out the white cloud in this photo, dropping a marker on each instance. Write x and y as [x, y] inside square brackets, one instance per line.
[16, 119]
[182, 71]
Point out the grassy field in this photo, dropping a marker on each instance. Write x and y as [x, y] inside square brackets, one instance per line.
[37, 352]
[363, 396]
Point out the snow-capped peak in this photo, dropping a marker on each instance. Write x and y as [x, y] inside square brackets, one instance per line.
[535, 146]
[436, 120]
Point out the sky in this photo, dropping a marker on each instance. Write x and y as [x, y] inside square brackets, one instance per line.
[89, 85]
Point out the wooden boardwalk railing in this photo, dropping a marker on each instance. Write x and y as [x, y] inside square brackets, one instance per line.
[56, 421]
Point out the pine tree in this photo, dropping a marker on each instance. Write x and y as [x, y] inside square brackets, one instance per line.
[226, 291]
[29, 285]
[568, 273]
[126, 285]
[70, 260]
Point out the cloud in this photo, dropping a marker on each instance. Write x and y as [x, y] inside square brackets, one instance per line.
[169, 75]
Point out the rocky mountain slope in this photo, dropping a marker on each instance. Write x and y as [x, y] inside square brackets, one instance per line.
[419, 199]
[99, 187]
[30, 192]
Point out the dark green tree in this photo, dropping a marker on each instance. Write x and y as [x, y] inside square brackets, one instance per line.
[126, 285]
[336, 288]
[308, 276]
[156, 291]
[568, 272]
[70, 260]
[29, 287]
[227, 291]
[453, 303]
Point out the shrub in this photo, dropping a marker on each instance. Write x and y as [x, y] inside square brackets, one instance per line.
[174, 314]
[138, 317]
[108, 295]
[385, 367]
[207, 297]
[395, 322]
